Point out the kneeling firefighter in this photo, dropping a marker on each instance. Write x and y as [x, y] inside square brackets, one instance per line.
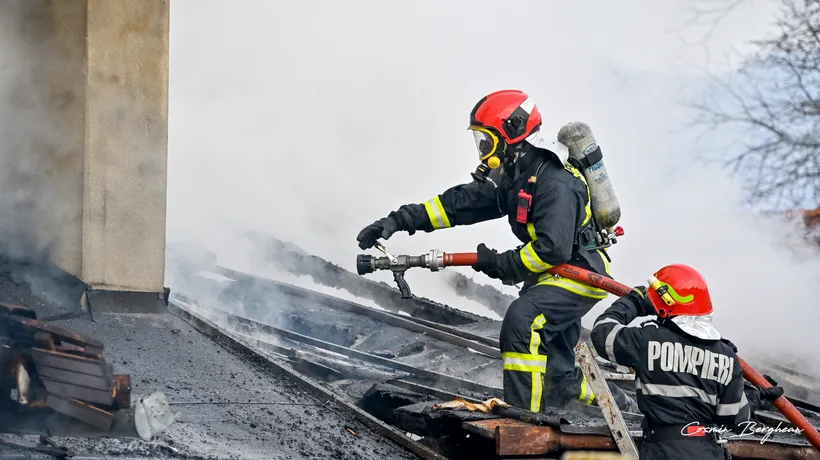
[546, 199]
[688, 377]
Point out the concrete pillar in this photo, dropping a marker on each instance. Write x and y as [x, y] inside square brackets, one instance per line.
[84, 94]
[126, 145]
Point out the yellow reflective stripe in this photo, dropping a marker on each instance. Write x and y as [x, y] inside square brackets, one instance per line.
[523, 362]
[547, 279]
[531, 259]
[606, 262]
[537, 390]
[524, 356]
[531, 231]
[588, 207]
[537, 377]
[435, 211]
[586, 396]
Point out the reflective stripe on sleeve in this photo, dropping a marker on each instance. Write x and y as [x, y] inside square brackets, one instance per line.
[531, 259]
[733, 409]
[435, 211]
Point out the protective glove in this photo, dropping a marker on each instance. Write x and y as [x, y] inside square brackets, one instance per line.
[382, 228]
[756, 395]
[487, 262]
[641, 301]
[771, 393]
[386, 227]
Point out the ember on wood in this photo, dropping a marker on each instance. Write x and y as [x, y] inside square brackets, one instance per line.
[58, 369]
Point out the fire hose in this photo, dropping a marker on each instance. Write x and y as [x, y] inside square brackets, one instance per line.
[437, 260]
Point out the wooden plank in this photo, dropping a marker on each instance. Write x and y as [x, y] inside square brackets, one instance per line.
[69, 391]
[74, 378]
[486, 428]
[69, 362]
[91, 415]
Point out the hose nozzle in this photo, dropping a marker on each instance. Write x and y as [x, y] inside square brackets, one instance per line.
[364, 264]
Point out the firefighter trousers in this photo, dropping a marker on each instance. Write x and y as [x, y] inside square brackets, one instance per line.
[538, 337]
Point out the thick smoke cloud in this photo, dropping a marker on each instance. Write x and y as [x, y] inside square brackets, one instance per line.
[309, 120]
[41, 138]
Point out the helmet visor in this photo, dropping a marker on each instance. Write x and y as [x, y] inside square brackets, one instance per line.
[485, 142]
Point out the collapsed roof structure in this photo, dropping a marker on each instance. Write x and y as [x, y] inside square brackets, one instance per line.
[407, 362]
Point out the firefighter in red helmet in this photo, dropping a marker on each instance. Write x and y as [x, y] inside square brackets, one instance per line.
[525, 177]
[687, 376]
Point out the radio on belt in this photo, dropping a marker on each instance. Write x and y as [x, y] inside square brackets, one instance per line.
[524, 204]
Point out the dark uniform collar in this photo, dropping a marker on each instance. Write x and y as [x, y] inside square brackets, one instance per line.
[530, 157]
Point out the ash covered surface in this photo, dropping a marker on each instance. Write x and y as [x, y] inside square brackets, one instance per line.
[162, 352]
[41, 286]
[266, 304]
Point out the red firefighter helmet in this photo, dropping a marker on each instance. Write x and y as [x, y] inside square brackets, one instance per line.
[677, 290]
[500, 119]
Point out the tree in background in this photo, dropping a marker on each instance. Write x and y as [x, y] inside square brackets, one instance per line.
[774, 102]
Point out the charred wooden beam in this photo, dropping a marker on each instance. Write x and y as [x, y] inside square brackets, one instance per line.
[435, 392]
[517, 440]
[122, 391]
[443, 333]
[421, 419]
[254, 327]
[522, 440]
[540, 418]
[754, 450]
[382, 400]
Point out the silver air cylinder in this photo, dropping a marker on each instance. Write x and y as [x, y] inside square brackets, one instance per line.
[582, 147]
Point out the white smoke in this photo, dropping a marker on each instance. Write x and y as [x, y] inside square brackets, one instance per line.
[310, 120]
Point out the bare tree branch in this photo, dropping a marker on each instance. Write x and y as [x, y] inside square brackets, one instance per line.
[710, 12]
[775, 104]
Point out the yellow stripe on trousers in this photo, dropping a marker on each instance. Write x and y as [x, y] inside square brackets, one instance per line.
[537, 377]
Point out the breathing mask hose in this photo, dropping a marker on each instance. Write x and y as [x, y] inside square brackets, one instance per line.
[620, 290]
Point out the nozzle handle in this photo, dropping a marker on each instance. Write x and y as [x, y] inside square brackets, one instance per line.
[404, 288]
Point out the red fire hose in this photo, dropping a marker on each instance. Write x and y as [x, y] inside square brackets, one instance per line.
[620, 290]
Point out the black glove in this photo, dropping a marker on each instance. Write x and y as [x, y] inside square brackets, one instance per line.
[488, 262]
[386, 227]
[382, 228]
[771, 393]
[641, 301]
[756, 395]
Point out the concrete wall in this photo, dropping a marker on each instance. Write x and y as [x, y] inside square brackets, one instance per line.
[83, 137]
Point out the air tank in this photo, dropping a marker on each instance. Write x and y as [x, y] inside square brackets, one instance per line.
[580, 142]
